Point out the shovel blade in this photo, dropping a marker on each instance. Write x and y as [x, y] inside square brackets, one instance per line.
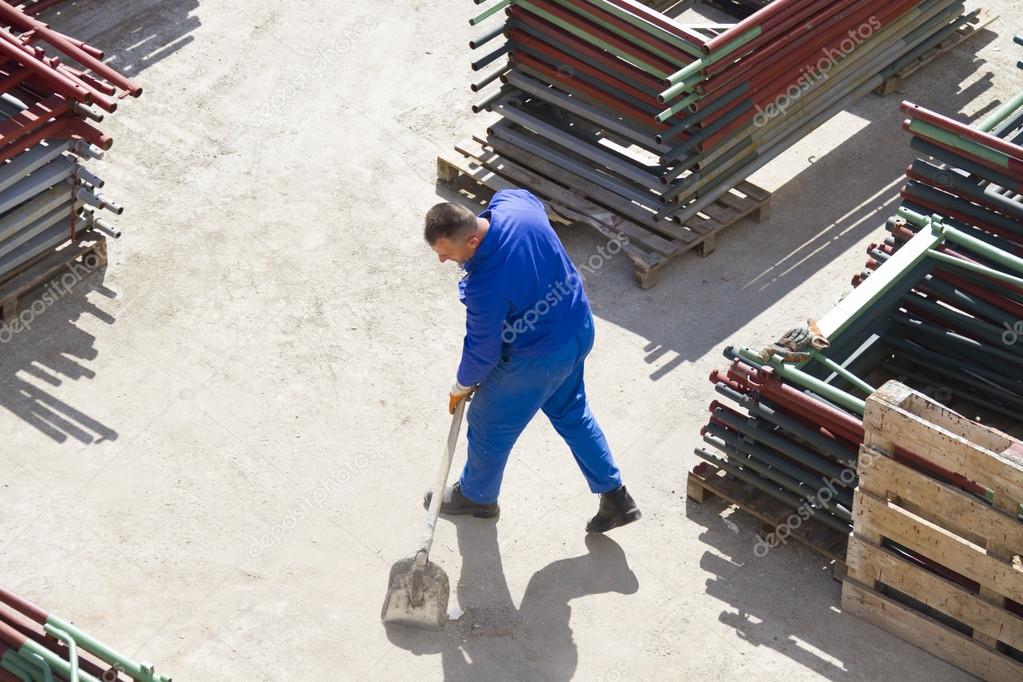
[416, 597]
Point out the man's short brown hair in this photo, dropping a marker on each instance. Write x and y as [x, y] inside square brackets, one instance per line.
[449, 221]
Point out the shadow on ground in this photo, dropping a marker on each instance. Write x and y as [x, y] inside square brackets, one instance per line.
[495, 640]
[133, 34]
[44, 345]
[776, 600]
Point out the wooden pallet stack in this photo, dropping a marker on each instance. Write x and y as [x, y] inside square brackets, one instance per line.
[928, 561]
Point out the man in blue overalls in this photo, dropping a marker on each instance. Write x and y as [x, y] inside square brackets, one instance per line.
[528, 331]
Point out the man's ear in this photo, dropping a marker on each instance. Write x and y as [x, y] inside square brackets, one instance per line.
[473, 241]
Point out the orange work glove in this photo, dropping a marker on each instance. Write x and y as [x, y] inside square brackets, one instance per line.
[458, 391]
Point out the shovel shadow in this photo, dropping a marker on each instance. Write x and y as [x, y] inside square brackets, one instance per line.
[493, 639]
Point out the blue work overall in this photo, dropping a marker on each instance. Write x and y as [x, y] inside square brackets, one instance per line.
[528, 331]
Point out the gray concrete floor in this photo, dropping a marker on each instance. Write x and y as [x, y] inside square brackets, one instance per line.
[214, 451]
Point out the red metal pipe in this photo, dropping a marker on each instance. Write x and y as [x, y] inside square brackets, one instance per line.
[1014, 169]
[563, 39]
[659, 19]
[768, 16]
[955, 127]
[605, 35]
[58, 81]
[59, 41]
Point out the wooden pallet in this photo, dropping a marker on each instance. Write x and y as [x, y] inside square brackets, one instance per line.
[488, 161]
[706, 481]
[985, 17]
[915, 538]
[90, 250]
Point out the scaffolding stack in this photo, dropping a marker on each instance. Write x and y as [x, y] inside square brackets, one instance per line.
[939, 307]
[658, 123]
[52, 91]
[36, 646]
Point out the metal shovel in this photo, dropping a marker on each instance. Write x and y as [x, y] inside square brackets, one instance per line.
[417, 590]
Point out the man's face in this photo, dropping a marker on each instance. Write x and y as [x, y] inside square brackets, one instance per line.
[459, 250]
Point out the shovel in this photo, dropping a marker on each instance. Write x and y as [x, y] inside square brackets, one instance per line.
[418, 590]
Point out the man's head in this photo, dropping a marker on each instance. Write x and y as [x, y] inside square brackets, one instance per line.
[453, 232]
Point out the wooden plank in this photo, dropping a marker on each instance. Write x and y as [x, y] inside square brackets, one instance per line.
[928, 634]
[934, 542]
[939, 503]
[758, 194]
[773, 513]
[741, 205]
[868, 564]
[961, 35]
[46, 268]
[894, 414]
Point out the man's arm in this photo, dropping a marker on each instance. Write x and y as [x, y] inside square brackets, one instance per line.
[484, 326]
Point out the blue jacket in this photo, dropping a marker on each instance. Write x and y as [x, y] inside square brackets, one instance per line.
[521, 292]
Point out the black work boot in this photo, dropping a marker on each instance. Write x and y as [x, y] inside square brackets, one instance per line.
[617, 508]
[454, 503]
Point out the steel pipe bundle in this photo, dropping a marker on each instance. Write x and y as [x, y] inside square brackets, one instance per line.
[36, 646]
[939, 307]
[46, 196]
[667, 117]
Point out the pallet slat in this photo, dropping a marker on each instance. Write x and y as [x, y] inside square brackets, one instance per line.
[707, 481]
[958, 558]
[45, 267]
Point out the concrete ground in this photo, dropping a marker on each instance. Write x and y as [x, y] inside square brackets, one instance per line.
[215, 450]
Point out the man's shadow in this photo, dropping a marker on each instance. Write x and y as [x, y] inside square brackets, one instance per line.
[495, 640]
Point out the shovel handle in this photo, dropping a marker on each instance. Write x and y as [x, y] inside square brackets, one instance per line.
[438, 487]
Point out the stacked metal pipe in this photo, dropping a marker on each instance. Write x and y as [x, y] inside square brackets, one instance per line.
[939, 307]
[46, 196]
[36, 646]
[666, 118]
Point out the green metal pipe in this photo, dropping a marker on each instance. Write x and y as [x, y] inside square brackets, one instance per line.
[843, 372]
[978, 246]
[975, 149]
[15, 665]
[677, 107]
[697, 66]
[493, 9]
[72, 648]
[144, 672]
[62, 667]
[797, 376]
[1000, 114]
[39, 663]
[975, 267]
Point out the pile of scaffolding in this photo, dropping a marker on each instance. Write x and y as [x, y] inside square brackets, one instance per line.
[50, 86]
[39, 646]
[667, 117]
[939, 307]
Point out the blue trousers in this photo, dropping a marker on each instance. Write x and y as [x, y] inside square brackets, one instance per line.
[510, 397]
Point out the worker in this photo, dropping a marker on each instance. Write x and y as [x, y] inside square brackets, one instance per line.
[528, 331]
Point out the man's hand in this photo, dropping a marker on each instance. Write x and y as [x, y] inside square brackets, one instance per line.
[458, 391]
